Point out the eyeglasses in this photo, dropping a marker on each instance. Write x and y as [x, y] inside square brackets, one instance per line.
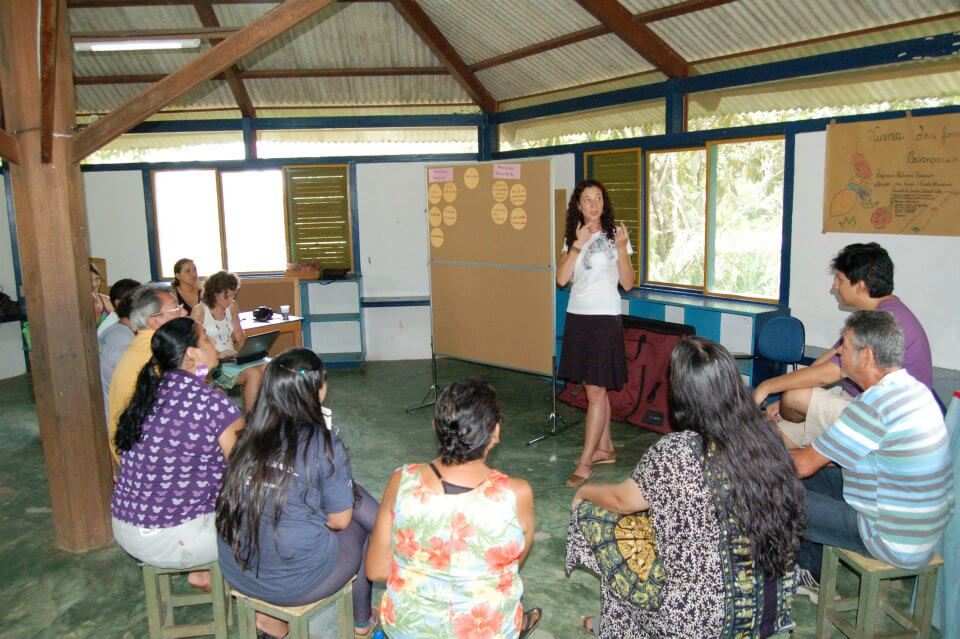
[169, 310]
[596, 200]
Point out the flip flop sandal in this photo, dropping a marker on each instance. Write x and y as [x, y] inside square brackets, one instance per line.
[536, 614]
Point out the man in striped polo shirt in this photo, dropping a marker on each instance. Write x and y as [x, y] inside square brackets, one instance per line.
[892, 495]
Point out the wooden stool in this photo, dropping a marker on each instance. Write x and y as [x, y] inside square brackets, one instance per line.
[873, 605]
[297, 616]
[161, 603]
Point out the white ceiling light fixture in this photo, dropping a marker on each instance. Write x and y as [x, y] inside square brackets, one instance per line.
[137, 45]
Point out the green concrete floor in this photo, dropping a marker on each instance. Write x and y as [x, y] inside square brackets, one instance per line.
[46, 592]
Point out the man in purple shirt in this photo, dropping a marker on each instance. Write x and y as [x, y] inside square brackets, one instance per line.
[863, 280]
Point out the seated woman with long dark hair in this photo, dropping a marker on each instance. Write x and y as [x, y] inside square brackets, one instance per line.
[701, 540]
[452, 533]
[173, 440]
[293, 524]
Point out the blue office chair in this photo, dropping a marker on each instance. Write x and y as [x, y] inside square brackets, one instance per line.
[781, 341]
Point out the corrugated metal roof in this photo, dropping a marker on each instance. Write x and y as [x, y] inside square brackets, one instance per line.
[863, 90]
[482, 30]
[373, 34]
[829, 46]
[348, 35]
[643, 118]
[564, 67]
[101, 98]
[753, 24]
[362, 90]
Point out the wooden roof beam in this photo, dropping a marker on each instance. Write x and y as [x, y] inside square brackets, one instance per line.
[205, 66]
[115, 4]
[203, 33]
[49, 32]
[208, 17]
[269, 74]
[9, 147]
[417, 18]
[672, 11]
[638, 37]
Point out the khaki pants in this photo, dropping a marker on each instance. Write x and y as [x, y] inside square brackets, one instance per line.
[824, 409]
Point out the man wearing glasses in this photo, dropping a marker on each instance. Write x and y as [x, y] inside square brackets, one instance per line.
[151, 307]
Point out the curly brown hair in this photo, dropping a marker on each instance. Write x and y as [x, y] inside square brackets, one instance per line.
[574, 216]
[219, 282]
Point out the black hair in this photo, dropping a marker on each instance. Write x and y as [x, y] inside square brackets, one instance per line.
[574, 216]
[169, 346]
[466, 416]
[219, 282]
[120, 295]
[285, 419]
[754, 472]
[178, 266]
[94, 269]
[868, 263]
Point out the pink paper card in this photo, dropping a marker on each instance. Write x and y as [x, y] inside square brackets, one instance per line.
[508, 171]
[440, 175]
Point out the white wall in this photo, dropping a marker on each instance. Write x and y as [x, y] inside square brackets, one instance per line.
[11, 344]
[117, 223]
[927, 268]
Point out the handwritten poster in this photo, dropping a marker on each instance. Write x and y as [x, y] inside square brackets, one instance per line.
[894, 176]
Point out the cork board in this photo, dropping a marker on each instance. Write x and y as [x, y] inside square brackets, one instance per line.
[492, 263]
[894, 177]
[498, 213]
[494, 315]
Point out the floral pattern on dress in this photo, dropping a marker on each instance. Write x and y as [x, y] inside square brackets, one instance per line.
[456, 561]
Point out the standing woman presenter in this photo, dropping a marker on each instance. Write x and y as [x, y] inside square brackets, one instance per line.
[596, 258]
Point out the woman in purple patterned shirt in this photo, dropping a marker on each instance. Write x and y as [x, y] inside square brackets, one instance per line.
[173, 440]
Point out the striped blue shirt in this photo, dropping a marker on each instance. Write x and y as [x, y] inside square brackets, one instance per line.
[893, 447]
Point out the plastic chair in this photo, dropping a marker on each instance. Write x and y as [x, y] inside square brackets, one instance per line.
[781, 341]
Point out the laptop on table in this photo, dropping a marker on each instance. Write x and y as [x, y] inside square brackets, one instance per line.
[256, 347]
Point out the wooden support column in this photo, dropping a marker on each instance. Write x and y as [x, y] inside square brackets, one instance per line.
[52, 237]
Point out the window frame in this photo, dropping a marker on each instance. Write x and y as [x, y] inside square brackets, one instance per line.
[221, 217]
[352, 268]
[635, 242]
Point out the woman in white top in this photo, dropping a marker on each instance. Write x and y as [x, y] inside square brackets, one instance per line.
[596, 258]
[220, 317]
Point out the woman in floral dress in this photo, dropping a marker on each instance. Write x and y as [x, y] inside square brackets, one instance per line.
[451, 534]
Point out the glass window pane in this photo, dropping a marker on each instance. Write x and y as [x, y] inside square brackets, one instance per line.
[253, 220]
[188, 220]
[614, 123]
[747, 201]
[908, 85]
[349, 142]
[170, 147]
[676, 189]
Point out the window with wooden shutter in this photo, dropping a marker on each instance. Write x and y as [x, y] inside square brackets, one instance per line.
[318, 215]
[619, 172]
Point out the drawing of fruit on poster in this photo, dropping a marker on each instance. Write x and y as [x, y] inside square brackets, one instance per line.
[857, 190]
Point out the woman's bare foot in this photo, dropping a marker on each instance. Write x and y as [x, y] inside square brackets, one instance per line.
[272, 626]
[604, 456]
[200, 579]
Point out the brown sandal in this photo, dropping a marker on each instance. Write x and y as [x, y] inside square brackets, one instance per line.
[611, 457]
[575, 480]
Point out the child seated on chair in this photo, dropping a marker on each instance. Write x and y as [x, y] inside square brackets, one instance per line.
[293, 525]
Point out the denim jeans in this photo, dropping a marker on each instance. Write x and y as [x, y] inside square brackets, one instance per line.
[830, 520]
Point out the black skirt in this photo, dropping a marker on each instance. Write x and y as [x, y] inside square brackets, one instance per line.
[593, 352]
